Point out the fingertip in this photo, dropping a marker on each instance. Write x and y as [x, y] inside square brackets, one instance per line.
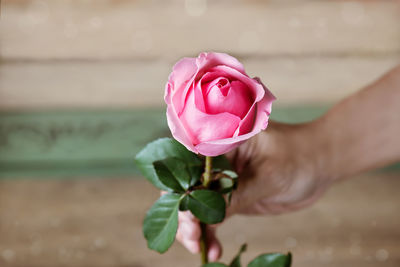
[192, 246]
[214, 251]
[214, 246]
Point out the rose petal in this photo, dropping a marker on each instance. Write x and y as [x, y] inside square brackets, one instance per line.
[256, 88]
[247, 123]
[204, 127]
[208, 60]
[179, 80]
[222, 146]
[212, 150]
[178, 131]
[198, 95]
[221, 82]
[237, 99]
[186, 71]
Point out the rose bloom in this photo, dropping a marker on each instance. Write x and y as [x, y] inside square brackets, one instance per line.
[213, 105]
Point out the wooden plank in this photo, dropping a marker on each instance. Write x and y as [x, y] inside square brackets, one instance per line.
[115, 84]
[50, 29]
[91, 143]
[77, 143]
[83, 223]
[86, 143]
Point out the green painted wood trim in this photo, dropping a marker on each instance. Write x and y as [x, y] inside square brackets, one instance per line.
[93, 143]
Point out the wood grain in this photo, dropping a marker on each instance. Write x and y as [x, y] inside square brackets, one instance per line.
[112, 54]
[132, 84]
[170, 29]
[97, 222]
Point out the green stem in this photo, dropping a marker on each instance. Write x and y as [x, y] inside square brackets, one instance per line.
[203, 226]
[207, 172]
[203, 244]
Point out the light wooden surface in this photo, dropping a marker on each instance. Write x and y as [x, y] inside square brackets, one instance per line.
[83, 223]
[116, 84]
[91, 54]
[76, 29]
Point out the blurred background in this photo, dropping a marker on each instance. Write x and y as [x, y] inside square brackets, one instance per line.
[81, 91]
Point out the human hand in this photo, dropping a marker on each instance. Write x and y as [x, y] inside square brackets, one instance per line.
[287, 167]
[279, 171]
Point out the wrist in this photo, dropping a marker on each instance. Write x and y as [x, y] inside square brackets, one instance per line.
[325, 150]
[296, 157]
[312, 151]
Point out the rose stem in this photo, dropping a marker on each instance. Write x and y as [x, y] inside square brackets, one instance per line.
[203, 238]
[203, 243]
[207, 172]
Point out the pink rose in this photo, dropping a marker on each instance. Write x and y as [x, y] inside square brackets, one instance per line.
[213, 106]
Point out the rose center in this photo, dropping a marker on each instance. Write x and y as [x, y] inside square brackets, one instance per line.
[222, 95]
[224, 86]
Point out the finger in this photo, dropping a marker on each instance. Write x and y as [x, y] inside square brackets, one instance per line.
[214, 246]
[188, 232]
[187, 216]
[193, 246]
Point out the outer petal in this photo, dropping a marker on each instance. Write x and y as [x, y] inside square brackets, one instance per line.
[212, 150]
[208, 60]
[182, 72]
[247, 124]
[178, 131]
[180, 78]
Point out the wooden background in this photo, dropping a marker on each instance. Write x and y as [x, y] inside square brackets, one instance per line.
[104, 53]
[81, 86]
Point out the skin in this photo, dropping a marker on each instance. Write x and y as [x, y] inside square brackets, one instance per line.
[288, 167]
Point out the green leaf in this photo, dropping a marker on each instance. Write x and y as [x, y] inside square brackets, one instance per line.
[236, 261]
[184, 205]
[173, 173]
[195, 173]
[161, 222]
[229, 187]
[166, 148]
[272, 260]
[230, 173]
[214, 264]
[208, 206]
[226, 185]
[167, 178]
